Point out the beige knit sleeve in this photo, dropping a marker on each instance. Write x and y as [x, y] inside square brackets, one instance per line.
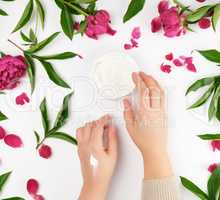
[160, 189]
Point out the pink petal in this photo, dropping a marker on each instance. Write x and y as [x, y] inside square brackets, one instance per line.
[13, 141]
[177, 62]
[204, 23]
[191, 67]
[136, 33]
[38, 197]
[165, 68]
[127, 46]
[32, 186]
[22, 99]
[212, 167]
[156, 24]
[2, 133]
[134, 43]
[169, 56]
[201, 1]
[45, 151]
[111, 31]
[163, 6]
[215, 145]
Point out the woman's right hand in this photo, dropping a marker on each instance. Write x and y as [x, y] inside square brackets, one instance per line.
[147, 125]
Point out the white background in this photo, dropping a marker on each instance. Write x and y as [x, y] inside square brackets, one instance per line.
[60, 177]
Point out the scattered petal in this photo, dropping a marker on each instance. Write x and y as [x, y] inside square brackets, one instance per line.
[2, 133]
[177, 62]
[215, 145]
[169, 56]
[38, 197]
[45, 151]
[13, 141]
[22, 99]
[128, 46]
[200, 1]
[165, 68]
[204, 23]
[156, 24]
[32, 186]
[212, 167]
[191, 67]
[136, 33]
[134, 43]
[163, 6]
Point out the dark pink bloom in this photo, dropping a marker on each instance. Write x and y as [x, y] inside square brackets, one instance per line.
[13, 141]
[136, 33]
[156, 24]
[99, 24]
[215, 145]
[45, 151]
[169, 19]
[11, 70]
[212, 167]
[165, 68]
[2, 133]
[32, 186]
[38, 197]
[177, 62]
[22, 99]
[204, 23]
[169, 56]
[127, 46]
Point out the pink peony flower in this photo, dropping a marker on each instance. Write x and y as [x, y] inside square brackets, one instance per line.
[212, 167]
[45, 151]
[22, 99]
[204, 23]
[169, 19]
[13, 141]
[11, 70]
[98, 24]
[215, 145]
[2, 133]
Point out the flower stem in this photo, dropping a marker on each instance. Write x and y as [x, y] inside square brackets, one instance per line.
[16, 45]
[76, 9]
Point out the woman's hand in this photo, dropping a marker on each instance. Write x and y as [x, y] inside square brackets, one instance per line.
[146, 125]
[97, 177]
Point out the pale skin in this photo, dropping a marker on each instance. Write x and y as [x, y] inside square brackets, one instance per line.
[146, 125]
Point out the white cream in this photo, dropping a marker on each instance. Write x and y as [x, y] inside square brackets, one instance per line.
[112, 75]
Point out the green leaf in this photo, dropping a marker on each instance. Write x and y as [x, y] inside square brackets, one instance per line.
[63, 136]
[67, 22]
[134, 8]
[214, 184]
[32, 36]
[211, 55]
[193, 188]
[31, 71]
[25, 16]
[203, 98]
[3, 13]
[218, 108]
[41, 12]
[212, 107]
[14, 198]
[215, 16]
[2, 116]
[200, 83]
[60, 56]
[215, 136]
[198, 14]
[43, 43]
[52, 74]
[25, 37]
[37, 136]
[86, 1]
[3, 179]
[44, 115]
[63, 114]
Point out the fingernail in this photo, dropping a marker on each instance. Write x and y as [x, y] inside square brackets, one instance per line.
[134, 75]
[126, 103]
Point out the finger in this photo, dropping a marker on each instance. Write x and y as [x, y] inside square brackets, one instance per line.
[128, 115]
[112, 141]
[79, 135]
[143, 92]
[87, 132]
[156, 93]
[98, 131]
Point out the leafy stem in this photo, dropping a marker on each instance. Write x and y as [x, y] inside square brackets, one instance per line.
[74, 7]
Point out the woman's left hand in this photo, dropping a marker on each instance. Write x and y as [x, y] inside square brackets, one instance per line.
[97, 177]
